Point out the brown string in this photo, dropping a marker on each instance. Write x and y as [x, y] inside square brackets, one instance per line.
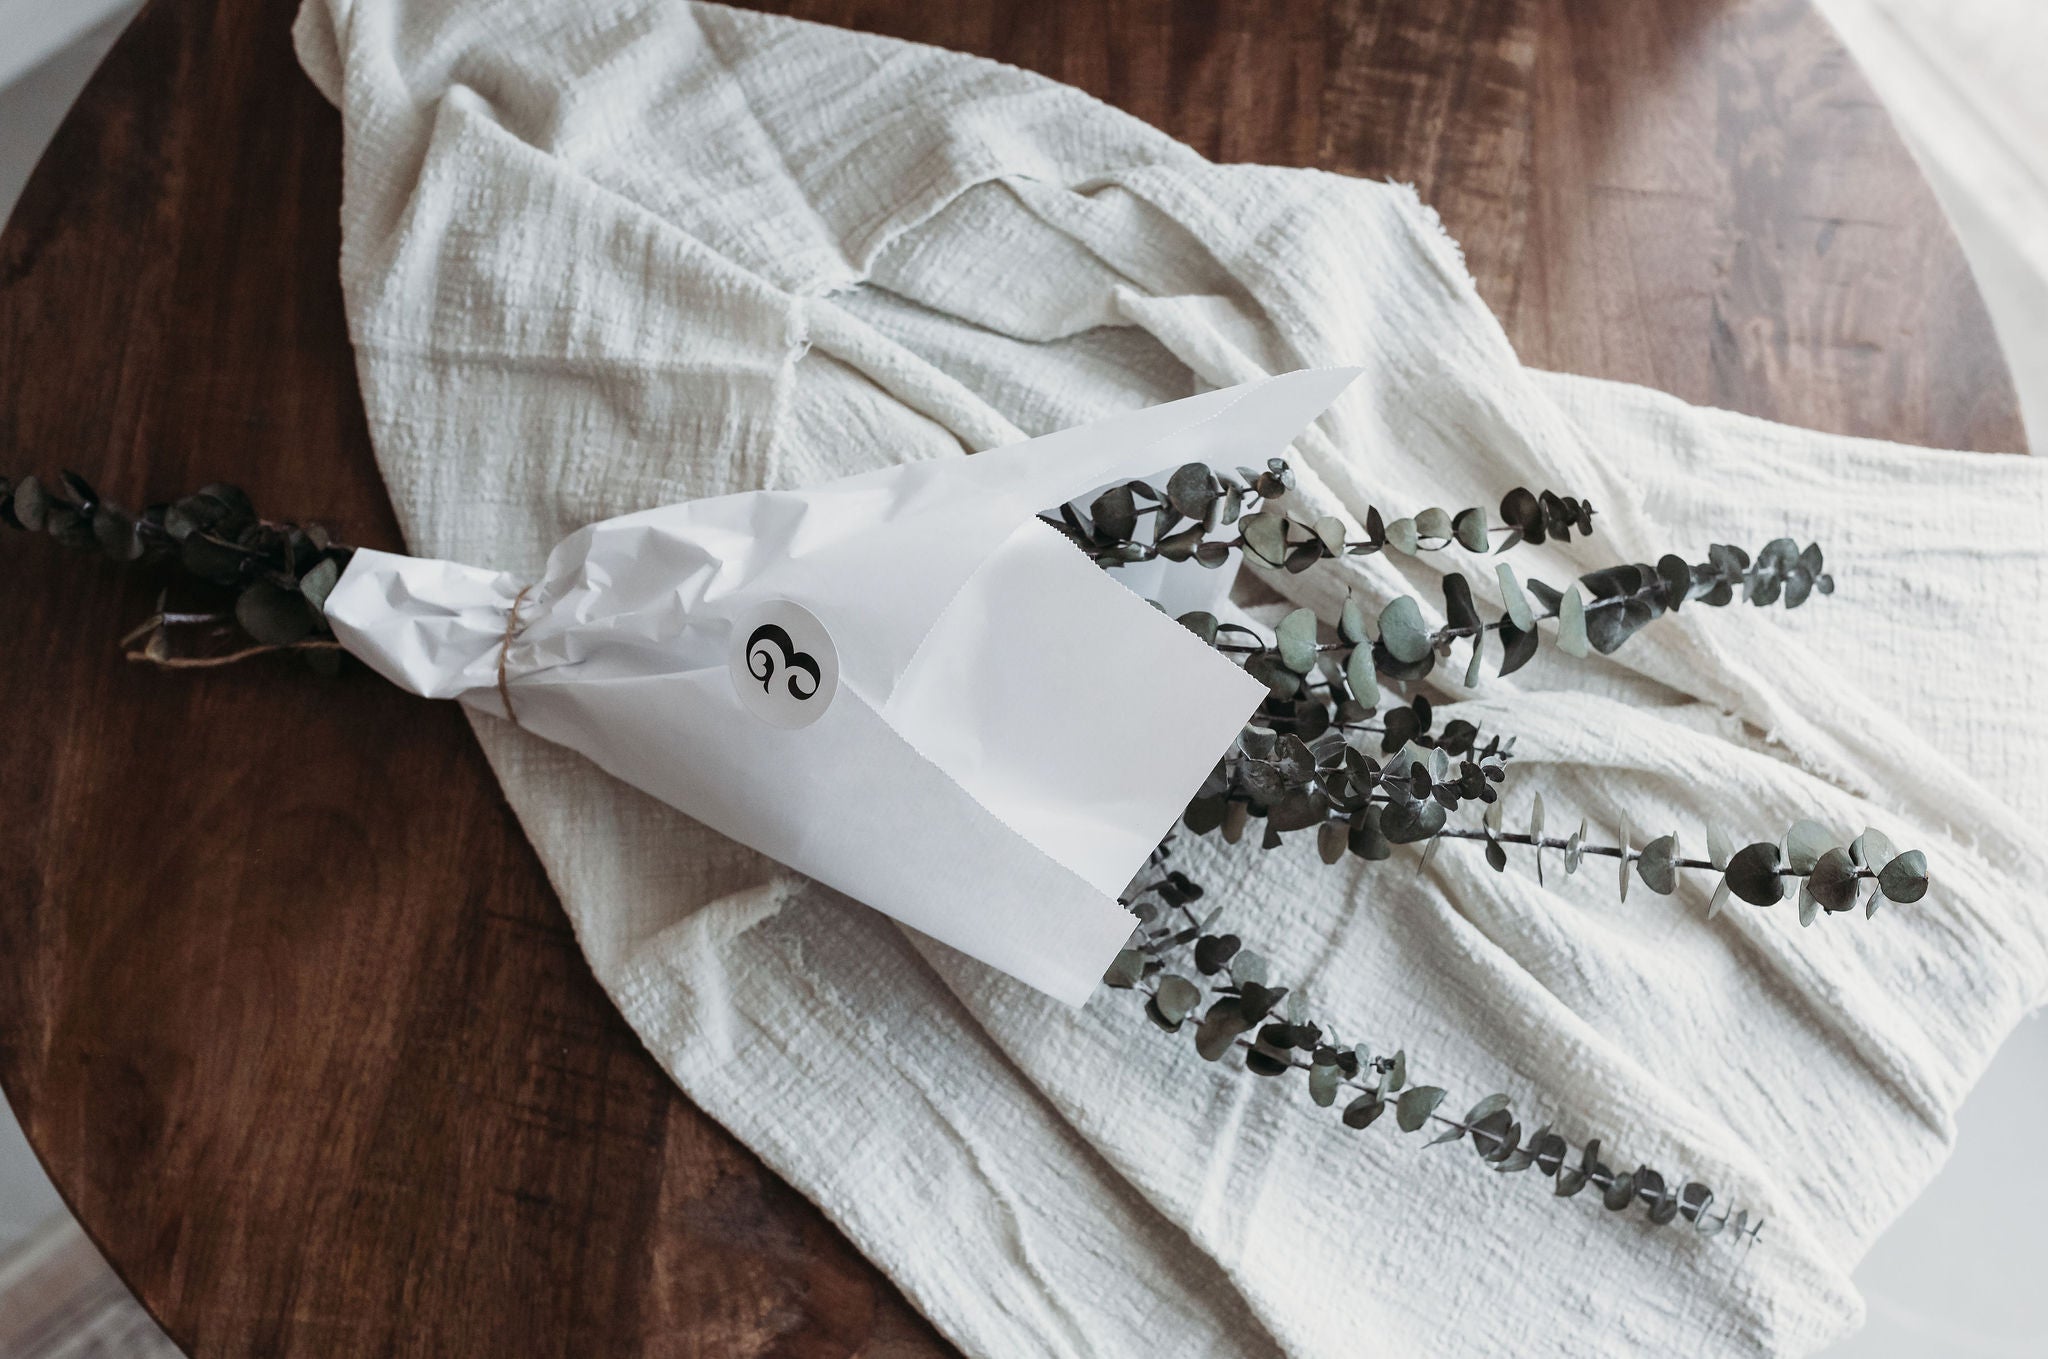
[504, 646]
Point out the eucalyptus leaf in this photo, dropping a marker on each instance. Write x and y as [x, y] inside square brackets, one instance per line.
[1904, 879]
[1361, 1112]
[1220, 1028]
[1833, 881]
[318, 582]
[1657, 865]
[30, 504]
[274, 616]
[1718, 849]
[1367, 840]
[1296, 636]
[1174, 1001]
[1805, 843]
[1125, 969]
[1571, 625]
[1753, 874]
[1360, 678]
[1469, 528]
[1518, 646]
[1486, 1108]
[1265, 536]
[1114, 513]
[1351, 622]
[1872, 850]
[1402, 631]
[1517, 603]
[1191, 490]
[1416, 1105]
[1459, 610]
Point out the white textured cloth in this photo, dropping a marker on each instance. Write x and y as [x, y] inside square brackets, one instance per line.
[606, 256]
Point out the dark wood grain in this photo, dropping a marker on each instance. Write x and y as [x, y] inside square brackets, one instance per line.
[286, 1003]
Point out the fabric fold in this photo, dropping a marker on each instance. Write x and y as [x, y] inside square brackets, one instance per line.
[623, 254]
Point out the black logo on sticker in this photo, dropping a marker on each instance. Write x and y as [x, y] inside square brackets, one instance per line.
[770, 652]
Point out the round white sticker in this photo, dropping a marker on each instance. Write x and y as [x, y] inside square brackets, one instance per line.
[784, 666]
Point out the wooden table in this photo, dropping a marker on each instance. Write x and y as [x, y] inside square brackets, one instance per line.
[286, 1003]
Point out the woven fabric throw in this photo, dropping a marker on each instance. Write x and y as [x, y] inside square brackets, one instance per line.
[606, 256]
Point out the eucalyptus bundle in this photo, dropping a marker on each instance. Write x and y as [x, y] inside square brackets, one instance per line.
[1346, 747]
[1333, 753]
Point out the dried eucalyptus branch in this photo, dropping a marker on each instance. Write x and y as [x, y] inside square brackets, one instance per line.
[1242, 1000]
[1305, 659]
[1361, 805]
[268, 581]
[1111, 530]
[1600, 612]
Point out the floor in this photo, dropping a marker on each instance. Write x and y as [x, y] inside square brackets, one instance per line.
[1958, 1276]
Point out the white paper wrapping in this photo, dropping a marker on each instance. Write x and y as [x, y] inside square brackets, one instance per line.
[901, 684]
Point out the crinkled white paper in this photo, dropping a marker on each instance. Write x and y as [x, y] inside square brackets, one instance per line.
[901, 684]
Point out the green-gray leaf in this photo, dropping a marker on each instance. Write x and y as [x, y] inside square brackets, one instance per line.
[1833, 881]
[274, 616]
[1571, 625]
[1402, 631]
[1904, 879]
[1753, 874]
[1719, 851]
[1805, 843]
[1125, 970]
[1297, 638]
[1358, 674]
[1178, 997]
[1265, 533]
[1872, 850]
[1519, 612]
[1221, 1027]
[1351, 624]
[1657, 866]
[1361, 1112]
[1115, 513]
[1416, 1106]
[1469, 527]
[318, 582]
[1402, 536]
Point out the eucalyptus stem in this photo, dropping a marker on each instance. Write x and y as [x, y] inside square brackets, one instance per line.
[1239, 1018]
